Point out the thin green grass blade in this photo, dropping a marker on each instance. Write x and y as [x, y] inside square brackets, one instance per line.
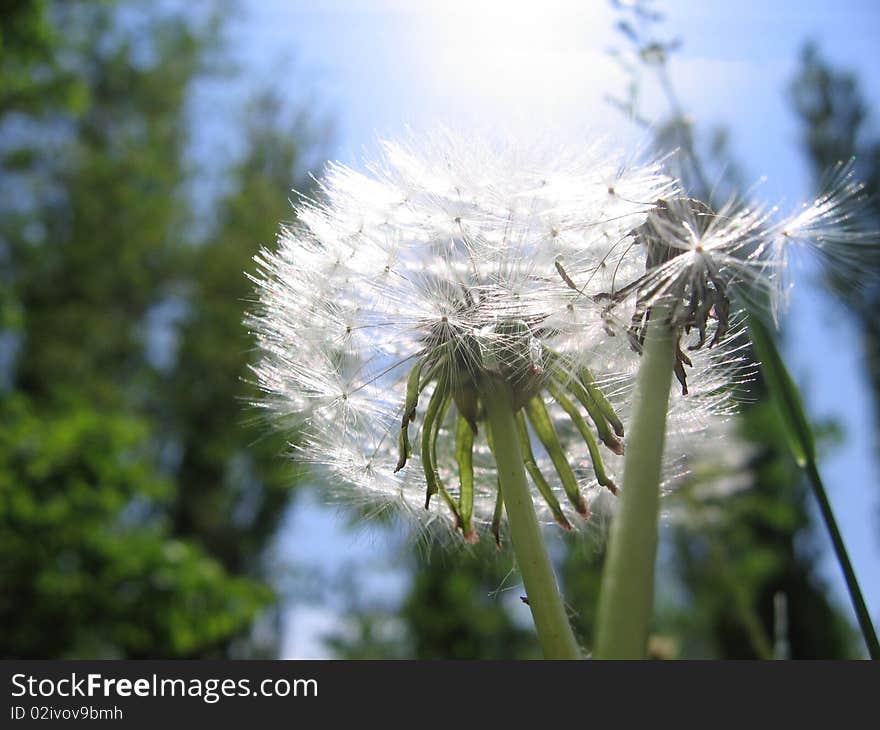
[784, 394]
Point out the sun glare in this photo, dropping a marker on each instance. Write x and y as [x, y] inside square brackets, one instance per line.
[520, 60]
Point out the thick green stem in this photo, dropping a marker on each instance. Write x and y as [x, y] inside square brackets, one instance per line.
[628, 576]
[551, 622]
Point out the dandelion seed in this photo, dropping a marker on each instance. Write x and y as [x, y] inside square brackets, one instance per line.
[835, 228]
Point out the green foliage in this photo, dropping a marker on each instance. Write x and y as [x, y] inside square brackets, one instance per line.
[89, 566]
[137, 495]
[94, 249]
[30, 79]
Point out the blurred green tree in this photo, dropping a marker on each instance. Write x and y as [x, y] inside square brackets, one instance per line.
[89, 566]
[135, 498]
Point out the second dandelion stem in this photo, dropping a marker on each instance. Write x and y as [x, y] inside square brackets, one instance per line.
[628, 576]
[548, 611]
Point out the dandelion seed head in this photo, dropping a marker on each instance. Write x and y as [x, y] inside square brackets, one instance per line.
[401, 290]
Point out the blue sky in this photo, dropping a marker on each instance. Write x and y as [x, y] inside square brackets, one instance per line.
[377, 68]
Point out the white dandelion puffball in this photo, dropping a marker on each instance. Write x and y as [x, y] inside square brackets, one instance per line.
[399, 291]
